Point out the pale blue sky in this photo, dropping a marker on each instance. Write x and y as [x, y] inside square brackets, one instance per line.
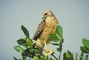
[73, 16]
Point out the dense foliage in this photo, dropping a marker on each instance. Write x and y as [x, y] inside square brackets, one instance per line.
[27, 49]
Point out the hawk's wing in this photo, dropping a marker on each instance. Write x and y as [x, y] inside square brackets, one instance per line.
[39, 30]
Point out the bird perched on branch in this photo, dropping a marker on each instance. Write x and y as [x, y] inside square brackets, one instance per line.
[46, 27]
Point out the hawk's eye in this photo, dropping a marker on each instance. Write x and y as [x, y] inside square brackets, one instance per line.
[45, 14]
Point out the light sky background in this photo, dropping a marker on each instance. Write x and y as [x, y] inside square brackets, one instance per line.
[73, 16]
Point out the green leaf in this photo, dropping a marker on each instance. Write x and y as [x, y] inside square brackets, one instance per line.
[18, 49]
[25, 31]
[24, 58]
[57, 44]
[31, 52]
[25, 52]
[15, 58]
[64, 56]
[84, 49]
[59, 32]
[85, 42]
[36, 58]
[35, 50]
[22, 42]
[53, 37]
[42, 58]
[25, 42]
[29, 42]
[59, 49]
[68, 56]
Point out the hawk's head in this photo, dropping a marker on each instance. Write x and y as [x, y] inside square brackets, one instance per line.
[46, 14]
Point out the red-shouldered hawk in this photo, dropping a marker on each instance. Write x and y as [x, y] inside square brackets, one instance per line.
[46, 27]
